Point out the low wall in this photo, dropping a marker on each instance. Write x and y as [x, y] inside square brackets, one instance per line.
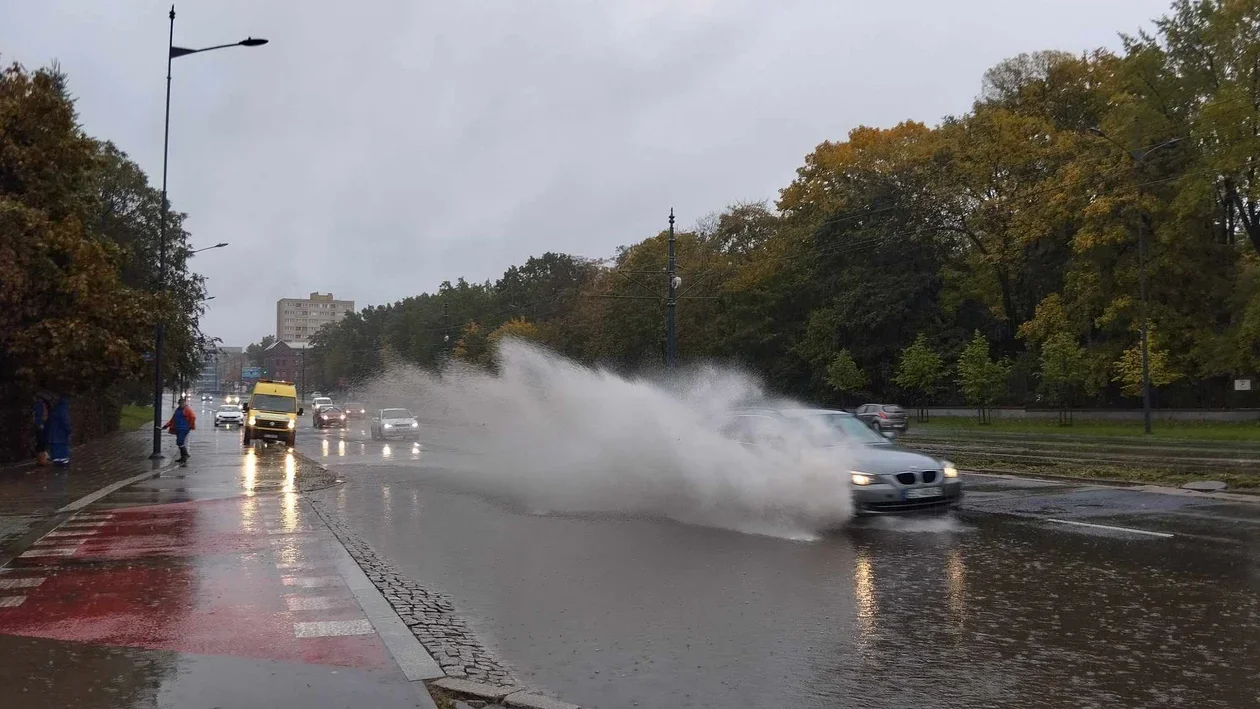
[1011, 412]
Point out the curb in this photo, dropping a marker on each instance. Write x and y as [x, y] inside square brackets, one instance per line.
[511, 696]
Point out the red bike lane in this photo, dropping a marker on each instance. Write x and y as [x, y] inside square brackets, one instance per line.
[246, 576]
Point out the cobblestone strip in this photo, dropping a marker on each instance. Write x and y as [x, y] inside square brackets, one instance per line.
[430, 616]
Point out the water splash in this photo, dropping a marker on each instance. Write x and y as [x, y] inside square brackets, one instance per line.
[553, 436]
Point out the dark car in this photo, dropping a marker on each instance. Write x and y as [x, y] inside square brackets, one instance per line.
[882, 477]
[330, 417]
[355, 410]
[883, 417]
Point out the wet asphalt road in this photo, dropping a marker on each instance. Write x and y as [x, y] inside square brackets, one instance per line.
[1013, 601]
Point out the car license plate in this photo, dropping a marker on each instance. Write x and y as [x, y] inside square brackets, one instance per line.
[916, 493]
[270, 435]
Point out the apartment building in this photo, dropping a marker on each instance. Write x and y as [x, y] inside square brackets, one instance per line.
[298, 319]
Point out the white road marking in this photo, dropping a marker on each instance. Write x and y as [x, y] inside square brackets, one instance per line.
[331, 628]
[83, 525]
[71, 533]
[11, 601]
[66, 551]
[8, 584]
[1165, 535]
[311, 581]
[305, 565]
[318, 603]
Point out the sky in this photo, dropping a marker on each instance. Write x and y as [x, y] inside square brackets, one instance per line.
[375, 149]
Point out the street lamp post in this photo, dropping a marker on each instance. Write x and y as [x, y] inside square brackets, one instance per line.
[671, 300]
[1136, 157]
[160, 329]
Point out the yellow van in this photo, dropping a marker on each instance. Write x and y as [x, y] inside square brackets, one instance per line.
[272, 413]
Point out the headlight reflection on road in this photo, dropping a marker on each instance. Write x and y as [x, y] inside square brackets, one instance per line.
[341, 448]
[386, 452]
[251, 470]
[323, 446]
[956, 581]
[290, 471]
[864, 593]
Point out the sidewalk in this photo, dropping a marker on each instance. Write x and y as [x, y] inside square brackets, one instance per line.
[210, 585]
[30, 497]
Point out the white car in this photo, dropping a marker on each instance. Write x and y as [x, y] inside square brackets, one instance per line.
[229, 414]
[394, 423]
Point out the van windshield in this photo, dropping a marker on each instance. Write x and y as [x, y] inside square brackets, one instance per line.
[274, 402]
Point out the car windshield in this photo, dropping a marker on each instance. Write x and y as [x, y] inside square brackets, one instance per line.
[274, 402]
[850, 427]
[395, 414]
[330, 410]
[230, 409]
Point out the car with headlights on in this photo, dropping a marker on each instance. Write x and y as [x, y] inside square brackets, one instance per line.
[355, 410]
[228, 415]
[330, 417]
[883, 477]
[394, 423]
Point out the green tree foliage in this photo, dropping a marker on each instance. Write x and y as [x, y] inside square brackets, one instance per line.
[843, 374]
[1128, 368]
[981, 380]
[77, 275]
[920, 370]
[1064, 370]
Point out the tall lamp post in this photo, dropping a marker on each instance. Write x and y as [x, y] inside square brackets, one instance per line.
[160, 329]
[1136, 157]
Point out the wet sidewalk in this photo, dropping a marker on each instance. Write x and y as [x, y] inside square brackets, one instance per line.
[30, 497]
[211, 585]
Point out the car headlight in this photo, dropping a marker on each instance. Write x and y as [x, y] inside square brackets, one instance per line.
[861, 478]
[292, 424]
[251, 419]
[343, 416]
[415, 425]
[948, 469]
[389, 425]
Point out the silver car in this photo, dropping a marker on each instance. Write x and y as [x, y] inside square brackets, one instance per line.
[394, 423]
[884, 478]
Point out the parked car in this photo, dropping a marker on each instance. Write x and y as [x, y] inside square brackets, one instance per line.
[883, 478]
[329, 417]
[883, 417]
[355, 410]
[394, 423]
[229, 414]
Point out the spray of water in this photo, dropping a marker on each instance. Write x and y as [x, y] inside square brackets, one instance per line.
[553, 436]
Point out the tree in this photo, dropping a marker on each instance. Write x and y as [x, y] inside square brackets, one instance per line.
[68, 321]
[1064, 372]
[920, 371]
[254, 352]
[1128, 369]
[844, 376]
[473, 346]
[982, 380]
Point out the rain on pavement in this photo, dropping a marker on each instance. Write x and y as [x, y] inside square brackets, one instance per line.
[1036, 594]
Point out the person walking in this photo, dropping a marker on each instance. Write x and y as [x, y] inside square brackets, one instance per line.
[41, 412]
[182, 422]
[58, 432]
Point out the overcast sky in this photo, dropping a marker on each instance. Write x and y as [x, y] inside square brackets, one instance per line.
[376, 148]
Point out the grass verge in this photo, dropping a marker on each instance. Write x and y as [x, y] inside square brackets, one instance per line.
[1246, 431]
[1147, 475]
[134, 417]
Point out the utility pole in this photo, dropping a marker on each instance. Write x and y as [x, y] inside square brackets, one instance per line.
[671, 301]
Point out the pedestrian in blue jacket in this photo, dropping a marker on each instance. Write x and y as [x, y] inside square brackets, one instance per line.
[41, 412]
[59, 432]
[182, 421]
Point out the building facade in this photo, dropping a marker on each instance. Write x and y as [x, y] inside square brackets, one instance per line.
[298, 319]
[287, 361]
[211, 378]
